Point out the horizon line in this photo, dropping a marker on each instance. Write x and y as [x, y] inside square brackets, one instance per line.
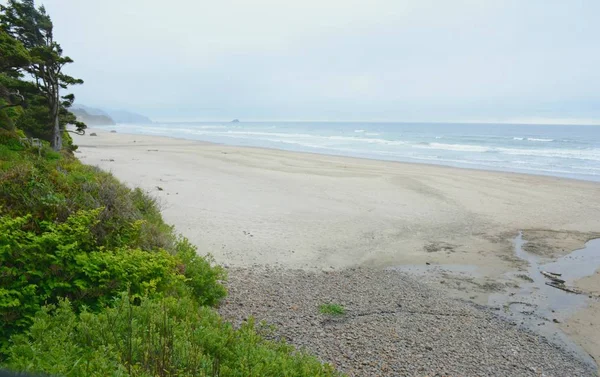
[522, 122]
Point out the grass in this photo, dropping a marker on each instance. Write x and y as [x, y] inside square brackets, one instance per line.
[332, 309]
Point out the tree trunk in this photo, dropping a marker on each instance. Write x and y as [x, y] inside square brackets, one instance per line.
[56, 133]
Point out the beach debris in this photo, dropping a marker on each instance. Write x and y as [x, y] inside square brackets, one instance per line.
[553, 277]
[159, 188]
[93, 134]
[113, 131]
[563, 287]
[558, 283]
[152, 150]
[107, 159]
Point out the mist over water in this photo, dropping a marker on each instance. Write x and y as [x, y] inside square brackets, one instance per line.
[565, 151]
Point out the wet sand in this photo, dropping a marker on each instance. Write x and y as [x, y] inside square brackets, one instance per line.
[252, 206]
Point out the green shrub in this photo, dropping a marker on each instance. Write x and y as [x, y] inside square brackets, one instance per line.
[64, 260]
[332, 309]
[158, 337]
[54, 187]
[10, 139]
[203, 276]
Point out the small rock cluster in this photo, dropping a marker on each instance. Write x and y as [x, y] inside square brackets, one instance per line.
[394, 325]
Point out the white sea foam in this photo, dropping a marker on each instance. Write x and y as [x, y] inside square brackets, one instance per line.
[359, 131]
[212, 127]
[538, 139]
[366, 140]
[454, 147]
[518, 138]
[580, 154]
[290, 138]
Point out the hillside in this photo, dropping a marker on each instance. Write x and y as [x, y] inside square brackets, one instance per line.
[92, 119]
[116, 116]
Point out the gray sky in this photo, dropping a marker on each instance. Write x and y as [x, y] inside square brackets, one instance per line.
[411, 60]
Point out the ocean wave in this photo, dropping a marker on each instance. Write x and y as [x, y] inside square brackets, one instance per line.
[368, 140]
[260, 133]
[539, 139]
[586, 154]
[359, 131]
[272, 136]
[590, 154]
[454, 147]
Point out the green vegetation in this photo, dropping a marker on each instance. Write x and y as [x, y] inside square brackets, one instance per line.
[92, 281]
[32, 74]
[332, 309]
[166, 337]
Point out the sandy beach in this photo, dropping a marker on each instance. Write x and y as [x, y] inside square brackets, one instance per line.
[260, 207]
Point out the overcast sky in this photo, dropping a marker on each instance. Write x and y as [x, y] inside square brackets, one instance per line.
[397, 60]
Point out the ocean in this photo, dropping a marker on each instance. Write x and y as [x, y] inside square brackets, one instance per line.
[564, 151]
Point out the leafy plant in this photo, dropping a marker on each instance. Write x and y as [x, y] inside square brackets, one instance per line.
[332, 309]
[158, 337]
[64, 260]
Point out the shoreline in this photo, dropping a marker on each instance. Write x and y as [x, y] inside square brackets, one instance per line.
[257, 207]
[105, 129]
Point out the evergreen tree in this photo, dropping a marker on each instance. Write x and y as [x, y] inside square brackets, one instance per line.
[13, 57]
[33, 28]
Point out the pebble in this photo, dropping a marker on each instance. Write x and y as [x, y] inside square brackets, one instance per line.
[394, 325]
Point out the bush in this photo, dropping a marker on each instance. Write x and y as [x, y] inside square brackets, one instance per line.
[158, 337]
[53, 187]
[203, 276]
[64, 260]
[10, 139]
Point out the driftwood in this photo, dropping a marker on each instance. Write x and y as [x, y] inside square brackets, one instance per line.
[562, 287]
[552, 277]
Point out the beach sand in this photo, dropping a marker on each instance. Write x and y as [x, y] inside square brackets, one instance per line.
[253, 206]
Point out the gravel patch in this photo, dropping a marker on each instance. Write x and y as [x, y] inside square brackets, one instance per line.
[394, 325]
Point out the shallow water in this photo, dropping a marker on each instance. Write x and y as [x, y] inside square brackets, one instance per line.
[534, 304]
[537, 305]
[551, 302]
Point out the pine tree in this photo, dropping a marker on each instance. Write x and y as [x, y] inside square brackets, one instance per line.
[33, 28]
